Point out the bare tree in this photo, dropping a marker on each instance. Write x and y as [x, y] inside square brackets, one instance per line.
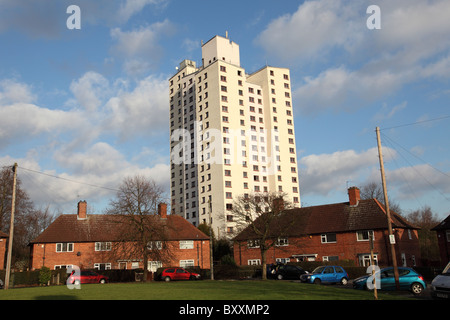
[260, 218]
[373, 190]
[426, 220]
[141, 232]
[28, 221]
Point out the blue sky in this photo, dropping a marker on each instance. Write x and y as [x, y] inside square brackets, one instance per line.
[91, 105]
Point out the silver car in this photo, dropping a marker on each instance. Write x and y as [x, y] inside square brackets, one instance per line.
[440, 286]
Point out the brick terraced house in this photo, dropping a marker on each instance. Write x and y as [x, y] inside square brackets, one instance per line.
[3, 247]
[91, 242]
[443, 236]
[334, 232]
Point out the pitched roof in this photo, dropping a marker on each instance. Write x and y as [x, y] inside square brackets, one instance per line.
[100, 227]
[331, 218]
[444, 225]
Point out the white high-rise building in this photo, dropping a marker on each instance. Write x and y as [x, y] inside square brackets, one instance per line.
[232, 134]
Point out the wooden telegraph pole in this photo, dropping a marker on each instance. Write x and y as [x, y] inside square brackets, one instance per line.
[211, 254]
[11, 229]
[388, 214]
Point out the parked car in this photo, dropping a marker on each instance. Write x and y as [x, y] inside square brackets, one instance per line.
[326, 274]
[87, 276]
[408, 278]
[281, 271]
[178, 274]
[440, 286]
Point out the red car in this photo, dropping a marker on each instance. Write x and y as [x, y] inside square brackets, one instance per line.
[87, 277]
[178, 274]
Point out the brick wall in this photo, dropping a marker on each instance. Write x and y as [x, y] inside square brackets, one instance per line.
[85, 256]
[3, 242]
[346, 247]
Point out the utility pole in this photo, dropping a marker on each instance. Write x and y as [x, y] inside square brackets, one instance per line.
[388, 214]
[211, 256]
[11, 228]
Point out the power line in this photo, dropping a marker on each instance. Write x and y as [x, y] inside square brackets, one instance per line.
[417, 122]
[70, 180]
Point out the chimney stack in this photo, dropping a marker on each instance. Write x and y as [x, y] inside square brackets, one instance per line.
[353, 196]
[82, 210]
[162, 210]
[278, 204]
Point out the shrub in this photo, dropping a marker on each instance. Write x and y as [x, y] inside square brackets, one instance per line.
[45, 275]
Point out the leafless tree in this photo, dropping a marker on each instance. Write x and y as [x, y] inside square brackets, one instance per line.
[260, 218]
[373, 190]
[29, 222]
[141, 231]
[426, 220]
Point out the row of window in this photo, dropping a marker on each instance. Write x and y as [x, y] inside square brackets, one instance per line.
[106, 246]
[325, 238]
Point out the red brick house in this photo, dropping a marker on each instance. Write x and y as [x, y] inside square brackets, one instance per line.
[443, 235]
[334, 232]
[91, 242]
[3, 245]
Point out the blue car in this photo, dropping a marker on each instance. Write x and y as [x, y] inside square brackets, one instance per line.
[408, 280]
[326, 274]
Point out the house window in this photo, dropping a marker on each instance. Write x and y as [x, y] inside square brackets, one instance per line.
[253, 243]
[254, 262]
[364, 235]
[282, 242]
[186, 263]
[157, 245]
[328, 238]
[64, 247]
[102, 266]
[364, 259]
[330, 258]
[186, 244]
[103, 246]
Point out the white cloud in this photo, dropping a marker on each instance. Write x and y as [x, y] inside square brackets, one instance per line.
[412, 45]
[416, 181]
[140, 47]
[144, 110]
[90, 89]
[12, 91]
[311, 31]
[325, 173]
[131, 7]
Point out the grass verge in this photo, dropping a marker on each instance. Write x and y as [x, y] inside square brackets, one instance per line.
[195, 290]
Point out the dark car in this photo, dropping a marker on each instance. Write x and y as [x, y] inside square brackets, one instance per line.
[87, 276]
[282, 272]
[169, 274]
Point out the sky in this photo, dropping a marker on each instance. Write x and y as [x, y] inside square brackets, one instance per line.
[82, 109]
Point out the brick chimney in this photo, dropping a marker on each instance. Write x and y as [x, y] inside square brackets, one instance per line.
[353, 196]
[82, 210]
[278, 205]
[162, 210]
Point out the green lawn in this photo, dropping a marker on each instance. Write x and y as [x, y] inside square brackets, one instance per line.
[195, 290]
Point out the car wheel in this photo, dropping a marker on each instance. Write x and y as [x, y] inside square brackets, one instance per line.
[416, 288]
[167, 279]
[280, 277]
[317, 281]
[102, 281]
[344, 281]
